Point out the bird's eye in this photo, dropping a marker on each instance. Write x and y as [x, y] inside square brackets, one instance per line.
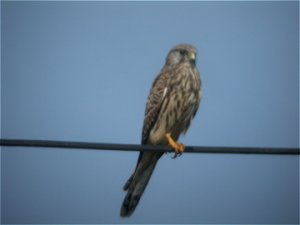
[182, 52]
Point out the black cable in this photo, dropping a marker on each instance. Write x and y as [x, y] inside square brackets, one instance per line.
[135, 147]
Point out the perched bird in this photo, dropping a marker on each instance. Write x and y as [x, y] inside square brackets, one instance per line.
[172, 103]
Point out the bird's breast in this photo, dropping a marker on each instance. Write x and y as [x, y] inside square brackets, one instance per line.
[179, 106]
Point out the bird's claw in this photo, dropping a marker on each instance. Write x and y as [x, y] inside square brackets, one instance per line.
[176, 155]
[177, 147]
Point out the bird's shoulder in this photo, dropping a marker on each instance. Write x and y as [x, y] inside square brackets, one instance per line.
[154, 102]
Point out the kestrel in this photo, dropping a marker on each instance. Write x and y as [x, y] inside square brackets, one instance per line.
[172, 103]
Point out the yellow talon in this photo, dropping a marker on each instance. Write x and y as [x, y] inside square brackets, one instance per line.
[178, 147]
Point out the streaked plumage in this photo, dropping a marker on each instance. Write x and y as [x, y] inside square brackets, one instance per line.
[172, 103]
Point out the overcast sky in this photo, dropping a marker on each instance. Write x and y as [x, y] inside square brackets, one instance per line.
[81, 71]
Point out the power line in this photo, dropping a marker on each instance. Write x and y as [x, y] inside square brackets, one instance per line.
[135, 147]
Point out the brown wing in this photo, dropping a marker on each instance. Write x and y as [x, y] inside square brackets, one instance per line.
[154, 103]
[146, 162]
[153, 106]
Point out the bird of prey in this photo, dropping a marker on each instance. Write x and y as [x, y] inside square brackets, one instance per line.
[172, 103]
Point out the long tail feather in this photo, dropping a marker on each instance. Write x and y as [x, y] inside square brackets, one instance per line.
[137, 183]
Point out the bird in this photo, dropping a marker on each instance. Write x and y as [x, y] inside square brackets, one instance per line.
[172, 103]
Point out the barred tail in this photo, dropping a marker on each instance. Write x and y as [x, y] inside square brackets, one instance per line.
[136, 186]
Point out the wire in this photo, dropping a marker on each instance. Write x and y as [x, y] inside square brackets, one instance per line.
[135, 147]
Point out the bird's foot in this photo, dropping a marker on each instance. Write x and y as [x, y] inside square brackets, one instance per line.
[177, 147]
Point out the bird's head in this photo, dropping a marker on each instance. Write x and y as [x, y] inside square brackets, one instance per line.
[181, 53]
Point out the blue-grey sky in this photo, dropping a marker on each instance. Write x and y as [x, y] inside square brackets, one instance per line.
[81, 71]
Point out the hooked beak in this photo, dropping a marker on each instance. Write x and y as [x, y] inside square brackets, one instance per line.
[192, 56]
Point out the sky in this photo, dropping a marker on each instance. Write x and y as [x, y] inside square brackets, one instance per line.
[82, 71]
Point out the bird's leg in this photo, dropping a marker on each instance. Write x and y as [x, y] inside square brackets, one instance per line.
[178, 147]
